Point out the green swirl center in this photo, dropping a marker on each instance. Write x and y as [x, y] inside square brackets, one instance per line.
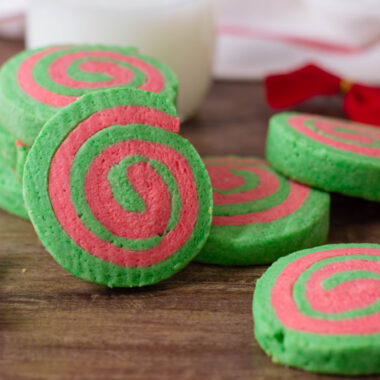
[122, 189]
[251, 181]
[299, 289]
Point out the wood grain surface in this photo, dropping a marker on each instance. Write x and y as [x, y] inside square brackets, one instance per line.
[196, 325]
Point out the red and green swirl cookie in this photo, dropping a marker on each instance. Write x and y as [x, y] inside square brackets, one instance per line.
[334, 155]
[259, 215]
[36, 84]
[319, 309]
[115, 196]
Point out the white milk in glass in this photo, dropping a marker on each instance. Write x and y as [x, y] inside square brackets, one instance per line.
[180, 33]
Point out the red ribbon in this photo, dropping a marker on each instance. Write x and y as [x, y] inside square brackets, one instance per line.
[361, 103]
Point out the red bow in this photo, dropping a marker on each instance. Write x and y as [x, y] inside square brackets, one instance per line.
[361, 103]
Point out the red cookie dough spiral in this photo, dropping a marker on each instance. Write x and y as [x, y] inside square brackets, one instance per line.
[92, 61]
[224, 177]
[330, 289]
[344, 135]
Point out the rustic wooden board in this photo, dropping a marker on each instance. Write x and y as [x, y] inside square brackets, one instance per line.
[197, 325]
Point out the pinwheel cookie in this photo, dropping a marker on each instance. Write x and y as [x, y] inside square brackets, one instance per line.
[331, 154]
[36, 84]
[318, 309]
[259, 215]
[114, 194]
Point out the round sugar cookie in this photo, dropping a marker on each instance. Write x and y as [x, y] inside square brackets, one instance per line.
[11, 199]
[115, 196]
[331, 154]
[319, 309]
[36, 84]
[259, 215]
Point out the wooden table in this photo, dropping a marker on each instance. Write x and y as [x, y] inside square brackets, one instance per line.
[196, 325]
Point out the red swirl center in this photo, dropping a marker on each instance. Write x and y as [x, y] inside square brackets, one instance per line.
[146, 182]
[223, 178]
[344, 297]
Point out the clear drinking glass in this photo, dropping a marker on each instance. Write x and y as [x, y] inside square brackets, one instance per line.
[180, 33]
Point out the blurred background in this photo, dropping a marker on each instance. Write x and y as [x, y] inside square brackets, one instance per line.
[201, 39]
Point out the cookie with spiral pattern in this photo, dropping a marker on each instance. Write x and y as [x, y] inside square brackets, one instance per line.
[259, 215]
[114, 193]
[319, 309]
[331, 154]
[36, 84]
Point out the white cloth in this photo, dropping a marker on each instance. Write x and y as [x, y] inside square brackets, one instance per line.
[258, 37]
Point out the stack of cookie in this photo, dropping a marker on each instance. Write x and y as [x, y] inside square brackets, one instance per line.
[36, 84]
[115, 194]
[46, 92]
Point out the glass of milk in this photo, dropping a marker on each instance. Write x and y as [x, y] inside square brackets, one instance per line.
[180, 33]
